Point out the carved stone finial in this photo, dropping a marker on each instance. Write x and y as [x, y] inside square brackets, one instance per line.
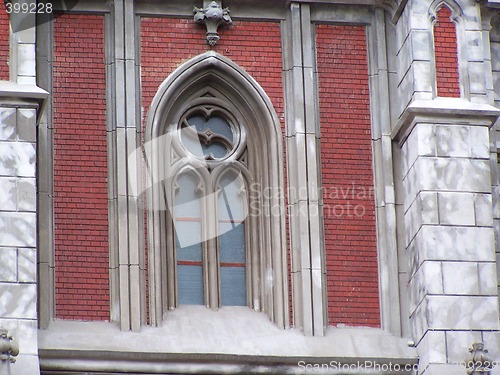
[8, 348]
[478, 363]
[212, 17]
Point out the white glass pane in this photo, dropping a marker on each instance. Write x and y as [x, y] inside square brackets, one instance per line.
[231, 199]
[188, 227]
[187, 198]
[188, 233]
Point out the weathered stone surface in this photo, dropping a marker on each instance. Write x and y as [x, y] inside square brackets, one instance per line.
[420, 142]
[26, 60]
[26, 266]
[18, 229]
[25, 364]
[452, 140]
[18, 301]
[432, 348]
[427, 280]
[7, 123]
[462, 313]
[17, 159]
[466, 272]
[26, 194]
[458, 344]
[448, 174]
[456, 208]
[479, 142]
[26, 124]
[451, 244]
[487, 279]
[8, 264]
[483, 207]
[8, 194]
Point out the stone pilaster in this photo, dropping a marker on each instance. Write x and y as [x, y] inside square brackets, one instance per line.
[127, 268]
[449, 234]
[302, 135]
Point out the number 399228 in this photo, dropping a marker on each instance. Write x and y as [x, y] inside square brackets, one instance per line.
[28, 7]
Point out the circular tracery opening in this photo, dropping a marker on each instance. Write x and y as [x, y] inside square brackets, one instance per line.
[209, 133]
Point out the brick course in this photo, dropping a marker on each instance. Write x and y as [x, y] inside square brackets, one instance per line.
[346, 153]
[80, 169]
[446, 54]
[4, 42]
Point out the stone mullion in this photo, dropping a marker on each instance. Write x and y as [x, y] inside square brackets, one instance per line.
[389, 272]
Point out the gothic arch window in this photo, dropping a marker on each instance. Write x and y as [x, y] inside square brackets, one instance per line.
[209, 209]
[213, 153]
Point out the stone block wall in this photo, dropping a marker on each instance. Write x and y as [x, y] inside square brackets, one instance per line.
[20, 102]
[447, 182]
[449, 239]
[18, 259]
[417, 60]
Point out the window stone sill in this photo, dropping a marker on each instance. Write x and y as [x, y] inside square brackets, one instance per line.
[195, 339]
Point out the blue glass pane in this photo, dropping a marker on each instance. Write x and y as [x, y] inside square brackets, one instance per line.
[191, 253]
[232, 243]
[188, 233]
[217, 150]
[198, 140]
[190, 285]
[233, 286]
[187, 225]
[216, 125]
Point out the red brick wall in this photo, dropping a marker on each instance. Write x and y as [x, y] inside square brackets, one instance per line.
[255, 46]
[446, 54]
[4, 42]
[349, 213]
[80, 169]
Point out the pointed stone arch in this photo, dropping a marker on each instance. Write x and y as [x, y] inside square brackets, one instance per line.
[214, 80]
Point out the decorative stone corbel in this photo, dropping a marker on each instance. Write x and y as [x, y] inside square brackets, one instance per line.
[478, 363]
[212, 17]
[8, 348]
